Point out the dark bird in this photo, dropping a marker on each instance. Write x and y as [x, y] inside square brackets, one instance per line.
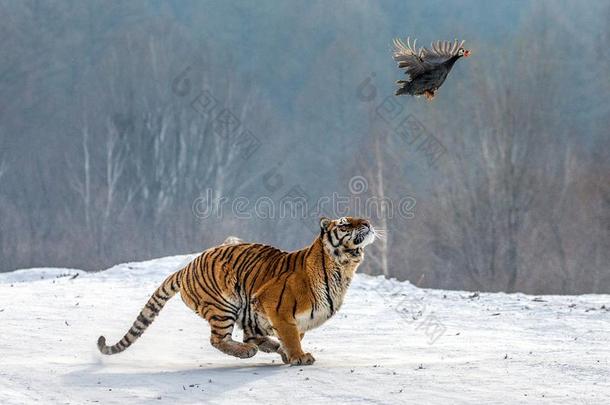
[427, 68]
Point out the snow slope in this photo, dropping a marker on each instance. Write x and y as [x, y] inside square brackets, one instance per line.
[390, 343]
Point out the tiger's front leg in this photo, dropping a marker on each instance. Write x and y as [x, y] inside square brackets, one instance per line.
[279, 306]
[290, 338]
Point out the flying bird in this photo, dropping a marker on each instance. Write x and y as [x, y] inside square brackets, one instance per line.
[427, 68]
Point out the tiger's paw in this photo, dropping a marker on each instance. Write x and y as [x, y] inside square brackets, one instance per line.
[305, 359]
[246, 350]
[282, 353]
[264, 343]
[269, 346]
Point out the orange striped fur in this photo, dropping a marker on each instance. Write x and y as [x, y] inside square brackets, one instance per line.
[263, 290]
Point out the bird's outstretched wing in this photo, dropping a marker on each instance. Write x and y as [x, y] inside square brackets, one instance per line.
[416, 61]
[440, 51]
[409, 57]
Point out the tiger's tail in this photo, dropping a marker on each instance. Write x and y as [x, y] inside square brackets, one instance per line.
[155, 304]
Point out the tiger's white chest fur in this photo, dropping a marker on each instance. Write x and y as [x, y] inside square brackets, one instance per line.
[328, 300]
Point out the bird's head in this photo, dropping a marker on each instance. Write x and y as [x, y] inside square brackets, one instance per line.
[463, 52]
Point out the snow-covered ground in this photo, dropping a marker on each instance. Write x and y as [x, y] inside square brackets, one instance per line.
[390, 343]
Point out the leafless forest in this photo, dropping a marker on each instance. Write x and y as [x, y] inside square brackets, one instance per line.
[116, 118]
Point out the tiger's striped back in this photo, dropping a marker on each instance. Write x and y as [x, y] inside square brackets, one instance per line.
[220, 284]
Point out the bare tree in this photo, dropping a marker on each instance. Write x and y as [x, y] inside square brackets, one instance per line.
[499, 176]
[3, 167]
[375, 206]
[385, 187]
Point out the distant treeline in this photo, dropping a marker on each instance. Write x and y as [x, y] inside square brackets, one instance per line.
[117, 119]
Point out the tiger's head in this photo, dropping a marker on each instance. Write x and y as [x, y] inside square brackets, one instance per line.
[346, 237]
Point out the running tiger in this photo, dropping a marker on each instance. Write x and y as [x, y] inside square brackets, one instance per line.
[265, 291]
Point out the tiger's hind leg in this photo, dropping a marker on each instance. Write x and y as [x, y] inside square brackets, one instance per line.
[267, 344]
[255, 333]
[212, 299]
[222, 339]
[264, 343]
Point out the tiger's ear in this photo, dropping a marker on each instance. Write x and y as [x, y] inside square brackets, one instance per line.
[324, 224]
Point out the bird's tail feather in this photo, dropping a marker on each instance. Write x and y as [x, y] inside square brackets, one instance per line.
[404, 87]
